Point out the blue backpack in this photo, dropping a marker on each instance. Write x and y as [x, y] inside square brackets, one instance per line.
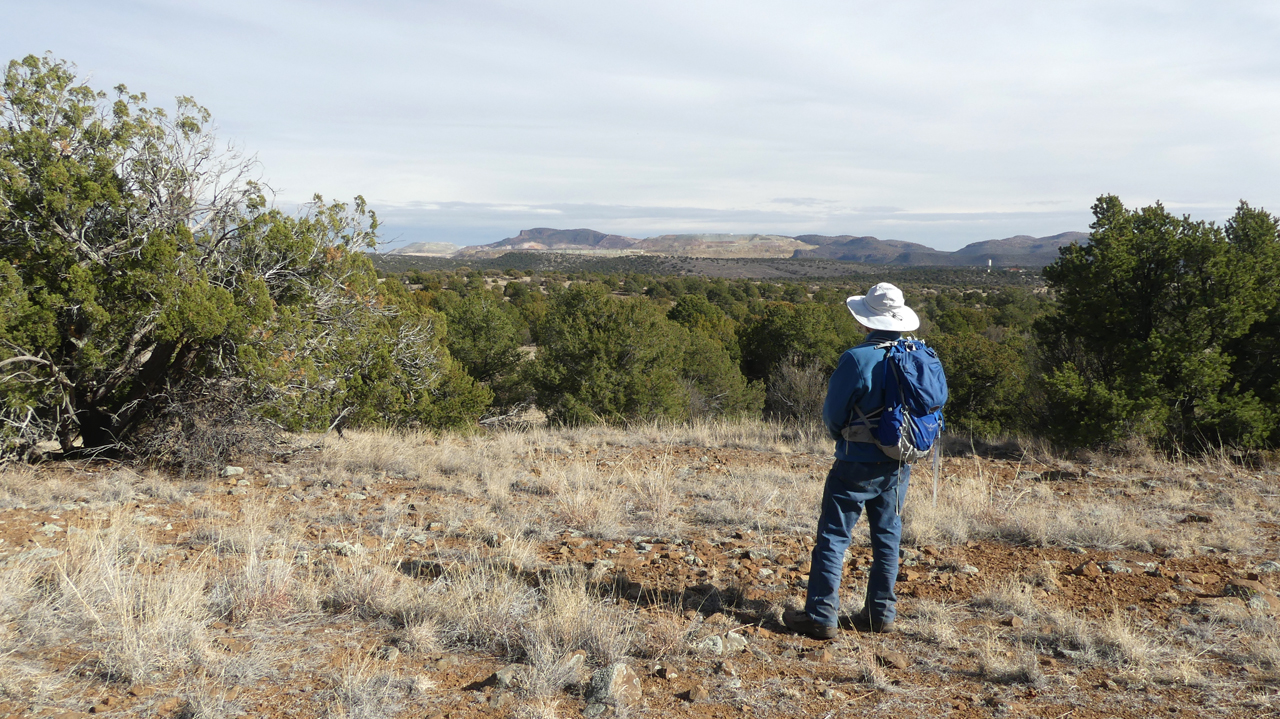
[915, 389]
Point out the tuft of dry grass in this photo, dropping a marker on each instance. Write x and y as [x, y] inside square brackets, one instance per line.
[1003, 665]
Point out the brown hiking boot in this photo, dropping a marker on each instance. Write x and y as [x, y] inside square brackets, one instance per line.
[801, 623]
[863, 623]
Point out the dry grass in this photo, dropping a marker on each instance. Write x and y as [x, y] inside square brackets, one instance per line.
[131, 608]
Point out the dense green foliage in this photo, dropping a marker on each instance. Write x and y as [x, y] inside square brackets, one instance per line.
[140, 267]
[1166, 329]
[143, 275]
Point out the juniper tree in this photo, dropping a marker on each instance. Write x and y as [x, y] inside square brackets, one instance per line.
[1164, 328]
[141, 264]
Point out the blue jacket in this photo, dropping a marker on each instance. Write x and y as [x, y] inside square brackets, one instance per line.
[859, 378]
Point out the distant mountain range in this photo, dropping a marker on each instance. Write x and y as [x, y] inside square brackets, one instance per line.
[1021, 250]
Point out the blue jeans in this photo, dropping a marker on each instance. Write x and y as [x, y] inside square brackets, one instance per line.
[881, 487]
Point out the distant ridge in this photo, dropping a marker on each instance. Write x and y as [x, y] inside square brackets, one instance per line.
[1017, 251]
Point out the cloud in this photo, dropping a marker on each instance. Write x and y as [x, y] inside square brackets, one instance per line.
[938, 121]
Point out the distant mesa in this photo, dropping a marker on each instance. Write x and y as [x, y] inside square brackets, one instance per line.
[1017, 251]
[427, 249]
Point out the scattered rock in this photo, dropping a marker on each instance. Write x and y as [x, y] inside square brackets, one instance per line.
[892, 658]
[1269, 567]
[501, 699]
[387, 653]
[1116, 568]
[596, 709]
[617, 684]
[447, 661]
[574, 663]
[968, 569]
[727, 668]
[139, 692]
[1014, 621]
[230, 471]
[346, 549]
[711, 645]
[667, 673]
[908, 575]
[830, 693]
[1027, 476]
[788, 654]
[1048, 662]
[1265, 603]
[232, 644]
[49, 529]
[734, 643]
[507, 677]
[821, 655]
[1194, 518]
[1088, 569]
[1244, 588]
[169, 706]
[356, 496]
[698, 693]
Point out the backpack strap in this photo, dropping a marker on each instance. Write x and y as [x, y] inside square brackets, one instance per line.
[860, 430]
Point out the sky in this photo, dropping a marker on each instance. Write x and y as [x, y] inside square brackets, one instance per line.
[936, 122]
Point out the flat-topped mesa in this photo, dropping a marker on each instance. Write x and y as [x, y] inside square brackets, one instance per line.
[1017, 251]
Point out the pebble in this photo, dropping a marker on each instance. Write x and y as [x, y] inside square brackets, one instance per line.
[821, 656]
[230, 471]
[1088, 569]
[892, 658]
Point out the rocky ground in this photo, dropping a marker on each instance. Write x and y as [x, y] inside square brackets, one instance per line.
[642, 572]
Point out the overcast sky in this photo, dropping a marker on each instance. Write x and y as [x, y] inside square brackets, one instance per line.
[935, 122]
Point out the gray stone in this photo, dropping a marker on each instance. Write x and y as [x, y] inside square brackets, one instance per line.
[346, 549]
[617, 684]
[1116, 568]
[1269, 567]
[711, 645]
[419, 538]
[968, 569]
[509, 676]
[356, 496]
[50, 529]
[388, 654]
[734, 643]
[596, 709]
[230, 471]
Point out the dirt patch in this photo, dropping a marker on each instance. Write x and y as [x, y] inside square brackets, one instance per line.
[390, 575]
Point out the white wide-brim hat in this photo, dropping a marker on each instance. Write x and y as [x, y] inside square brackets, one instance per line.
[883, 308]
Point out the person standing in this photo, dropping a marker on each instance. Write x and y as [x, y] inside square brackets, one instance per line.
[862, 477]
